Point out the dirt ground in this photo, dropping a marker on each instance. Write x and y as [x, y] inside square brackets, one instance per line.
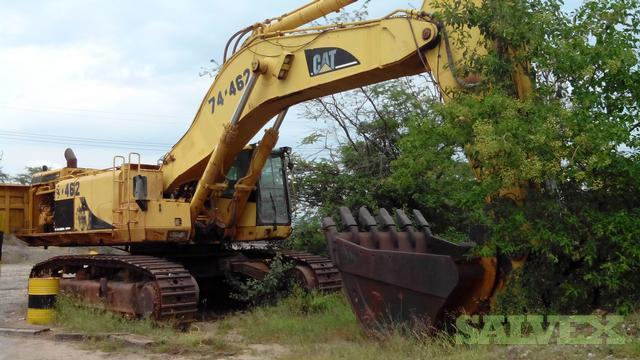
[17, 261]
[14, 271]
[16, 264]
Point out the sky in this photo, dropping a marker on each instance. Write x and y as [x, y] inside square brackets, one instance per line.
[79, 72]
[110, 77]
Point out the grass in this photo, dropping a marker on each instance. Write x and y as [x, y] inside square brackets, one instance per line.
[167, 338]
[300, 318]
[324, 327]
[314, 327]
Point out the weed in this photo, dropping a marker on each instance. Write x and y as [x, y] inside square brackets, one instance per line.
[167, 339]
[274, 287]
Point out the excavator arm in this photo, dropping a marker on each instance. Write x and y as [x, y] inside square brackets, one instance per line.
[279, 66]
[186, 209]
[392, 271]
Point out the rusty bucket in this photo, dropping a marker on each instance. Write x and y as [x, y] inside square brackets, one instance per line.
[397, 272]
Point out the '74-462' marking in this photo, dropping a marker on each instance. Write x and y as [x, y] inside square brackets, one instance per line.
[235, 86]
[71, 189]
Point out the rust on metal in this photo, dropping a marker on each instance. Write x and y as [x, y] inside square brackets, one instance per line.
[426, 34]
[312, 272]
[317, 272]
[396, 271]
[70, 157]
[129, 284]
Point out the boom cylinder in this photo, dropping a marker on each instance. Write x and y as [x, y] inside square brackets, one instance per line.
[307, 14]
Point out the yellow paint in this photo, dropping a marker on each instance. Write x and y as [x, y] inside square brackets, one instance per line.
[384, 48]
[44, 286]
[41, 316]
[39, 287]
[187, 159]
[307, 14]
[13, 208]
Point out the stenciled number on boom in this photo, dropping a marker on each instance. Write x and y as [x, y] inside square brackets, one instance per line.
[235, 86]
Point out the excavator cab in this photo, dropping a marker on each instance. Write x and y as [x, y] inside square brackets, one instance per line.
[271, 194]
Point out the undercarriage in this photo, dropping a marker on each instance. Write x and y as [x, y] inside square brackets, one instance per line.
[174, 287]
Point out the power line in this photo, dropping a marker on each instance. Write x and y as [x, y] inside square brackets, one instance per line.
[120, 147]
[17, 138]
[81, 139]
[2, 104]
[98, 116]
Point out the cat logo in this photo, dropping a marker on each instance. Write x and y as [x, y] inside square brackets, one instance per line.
[325, 60]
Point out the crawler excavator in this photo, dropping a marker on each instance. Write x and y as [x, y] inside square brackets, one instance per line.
[213, 201]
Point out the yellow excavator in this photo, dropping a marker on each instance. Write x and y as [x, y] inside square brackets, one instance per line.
[215, 204]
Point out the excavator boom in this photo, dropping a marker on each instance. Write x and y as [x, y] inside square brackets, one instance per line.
[213, 193]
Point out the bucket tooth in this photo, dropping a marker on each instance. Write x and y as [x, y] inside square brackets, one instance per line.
[371, 235]
[366, 219]
[347, 218]
[382, 238]
[350, 223]
[422, 223]
[403, 220]
[328, 223]
[402, 240]
[386, 220]
[417, 239]
[396, 271]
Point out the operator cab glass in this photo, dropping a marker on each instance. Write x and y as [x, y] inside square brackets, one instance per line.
[237, 172]
[273, 202]
[271, 195]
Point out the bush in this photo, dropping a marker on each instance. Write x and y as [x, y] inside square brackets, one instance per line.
[275, 286]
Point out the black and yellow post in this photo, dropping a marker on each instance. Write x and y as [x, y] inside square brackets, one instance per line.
[43, 293]
[1, 239]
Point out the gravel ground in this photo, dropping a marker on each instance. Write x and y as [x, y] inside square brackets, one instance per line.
[17, 261]
[13, 293]
[14, 273]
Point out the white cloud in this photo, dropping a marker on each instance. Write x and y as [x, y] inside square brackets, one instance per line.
[46, 87]
[125, 62]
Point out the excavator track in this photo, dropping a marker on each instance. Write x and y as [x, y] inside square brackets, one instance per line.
[130, 284]
[323, 275]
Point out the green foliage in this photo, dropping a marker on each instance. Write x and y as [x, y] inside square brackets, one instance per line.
[275, 285]
[302, 302]
[324, 327]
[370, 124]
[297, 319]
[94, 322]
[25, 178]
[3, 176]
[307, 236]
[573, 145]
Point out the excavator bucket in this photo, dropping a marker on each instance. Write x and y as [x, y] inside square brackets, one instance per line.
[397, 272]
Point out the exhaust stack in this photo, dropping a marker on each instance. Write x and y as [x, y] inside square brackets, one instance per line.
[72, 160]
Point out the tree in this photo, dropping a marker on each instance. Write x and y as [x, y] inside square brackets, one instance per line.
[573, 144]
[3, 176]
[25, 178]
